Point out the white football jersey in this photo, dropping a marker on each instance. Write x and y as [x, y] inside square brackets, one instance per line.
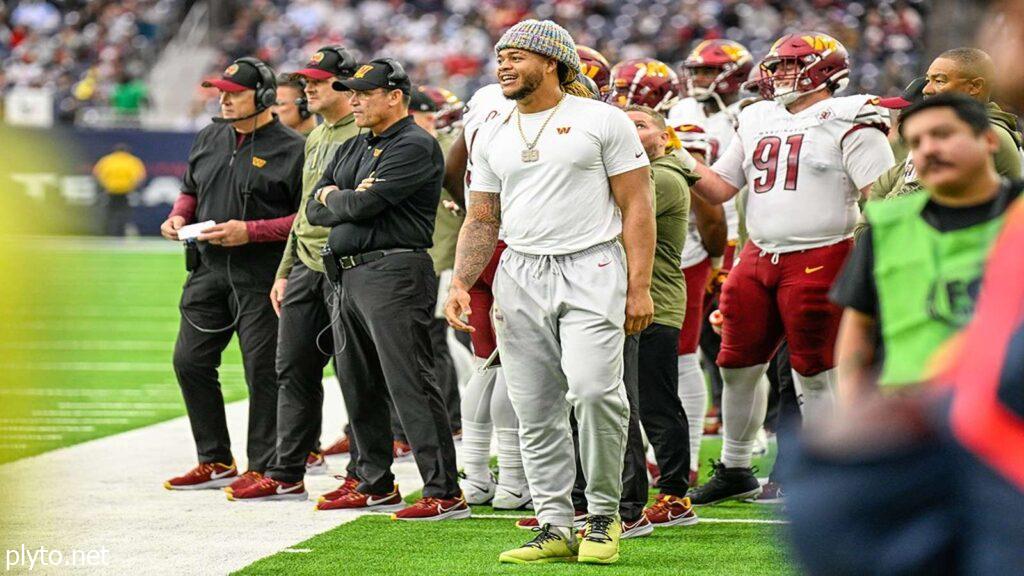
[485, 105]
[805, 170]
[719, 131]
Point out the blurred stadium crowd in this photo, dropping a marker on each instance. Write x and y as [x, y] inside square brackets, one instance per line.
[95, 53]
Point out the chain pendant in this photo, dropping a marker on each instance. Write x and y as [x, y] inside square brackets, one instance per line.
[530, 155]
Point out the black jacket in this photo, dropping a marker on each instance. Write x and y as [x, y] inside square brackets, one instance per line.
[259, 178]
[399, 209]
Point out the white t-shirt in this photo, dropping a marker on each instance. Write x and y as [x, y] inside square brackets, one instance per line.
[562, 203]
[719, 132]
[805, 170]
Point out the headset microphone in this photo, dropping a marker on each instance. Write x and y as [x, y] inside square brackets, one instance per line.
[223, 120]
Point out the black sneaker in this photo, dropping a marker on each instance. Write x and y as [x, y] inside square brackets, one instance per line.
[726, 484]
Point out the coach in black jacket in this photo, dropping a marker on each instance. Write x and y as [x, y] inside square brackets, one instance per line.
[379, 195]
[244, 173]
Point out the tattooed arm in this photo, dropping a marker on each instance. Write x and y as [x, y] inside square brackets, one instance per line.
[477, 240]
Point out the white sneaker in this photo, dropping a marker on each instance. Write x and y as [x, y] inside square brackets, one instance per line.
[506, 498]
[478, 492]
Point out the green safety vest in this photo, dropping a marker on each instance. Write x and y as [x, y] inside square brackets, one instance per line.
[927, 281]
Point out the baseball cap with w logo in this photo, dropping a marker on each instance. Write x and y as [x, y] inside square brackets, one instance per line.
[329, 61]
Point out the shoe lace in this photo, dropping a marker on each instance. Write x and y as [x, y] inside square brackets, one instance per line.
[544, 535]
[662, 502]
[252, 474]
[427, 502]
[201, 470]
[265, 482]
[597, 528]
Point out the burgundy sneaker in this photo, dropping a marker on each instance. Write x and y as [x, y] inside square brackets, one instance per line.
[431, 509]
[268, 489]
[356, 500]
[204, 476]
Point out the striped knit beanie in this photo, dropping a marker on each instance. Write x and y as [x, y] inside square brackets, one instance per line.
[545, 38]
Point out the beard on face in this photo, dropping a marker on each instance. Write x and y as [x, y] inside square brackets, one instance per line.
[531, 80]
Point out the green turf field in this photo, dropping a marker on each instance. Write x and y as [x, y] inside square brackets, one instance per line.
[734, 539]
[86, 344]
[85, 352]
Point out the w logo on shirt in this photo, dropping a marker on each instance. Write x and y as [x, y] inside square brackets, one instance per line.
[564, 129]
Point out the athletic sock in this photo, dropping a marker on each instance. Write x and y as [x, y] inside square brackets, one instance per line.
[744, 405]
[510, 459]
[817, 396]
[476, 448]
[693, 394]
[565, 532]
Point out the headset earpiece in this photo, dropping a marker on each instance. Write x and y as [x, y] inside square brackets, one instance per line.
[266, 89]
[397, 74]
[347, 64]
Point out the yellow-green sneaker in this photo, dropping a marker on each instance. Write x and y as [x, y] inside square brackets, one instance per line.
[547, 546]
[600, 543]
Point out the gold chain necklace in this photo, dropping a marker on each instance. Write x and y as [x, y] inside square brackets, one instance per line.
[531, 154]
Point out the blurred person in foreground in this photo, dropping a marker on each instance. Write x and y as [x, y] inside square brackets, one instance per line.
[912, 280]
[119, 173]
[245, 175]
[929, 482]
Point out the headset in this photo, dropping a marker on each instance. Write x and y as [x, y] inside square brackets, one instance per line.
[301, 103]
[266, 89]
[397, 74]
[346, 61]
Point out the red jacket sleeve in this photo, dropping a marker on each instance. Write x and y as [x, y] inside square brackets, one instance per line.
[272, 230]
[185, 206]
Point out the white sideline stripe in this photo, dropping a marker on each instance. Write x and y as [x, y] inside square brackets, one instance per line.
[112, 498]
[702, 519]
[106, 367]
[133, 345]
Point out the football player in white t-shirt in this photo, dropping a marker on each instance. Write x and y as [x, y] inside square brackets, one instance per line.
[485, 403]
[706, 124]
[563, 176]
[807, 157]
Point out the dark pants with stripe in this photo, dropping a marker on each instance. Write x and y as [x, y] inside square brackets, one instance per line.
[383, 333]
[634, 469]
[661, 412]
[303, 337]
[208, 302]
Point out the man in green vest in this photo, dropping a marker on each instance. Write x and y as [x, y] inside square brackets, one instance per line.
[913, 278]
[967, 71]
[301, 294]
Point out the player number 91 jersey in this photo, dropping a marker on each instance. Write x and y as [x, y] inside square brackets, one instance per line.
[805, 170]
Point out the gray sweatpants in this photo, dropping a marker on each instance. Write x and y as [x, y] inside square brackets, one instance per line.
[559, 322]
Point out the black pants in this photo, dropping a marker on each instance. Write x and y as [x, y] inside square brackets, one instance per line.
[302, 333]
[208, 303]
[634, 470]
[119, 214]
[661, 412]
[386, 310]
[447, 379]
[784, 416]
